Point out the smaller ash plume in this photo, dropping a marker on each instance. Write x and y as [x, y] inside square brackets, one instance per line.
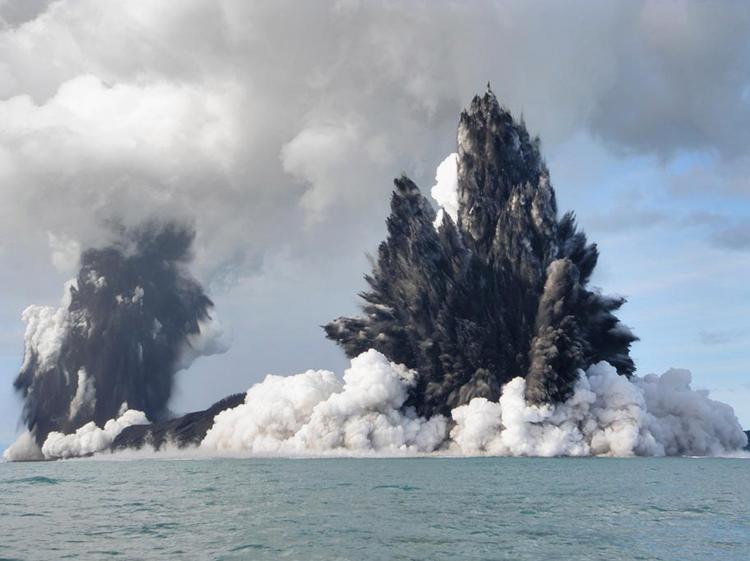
[497, 290]
[131, 319]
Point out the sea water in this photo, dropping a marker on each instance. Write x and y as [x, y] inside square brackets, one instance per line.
[383, 509]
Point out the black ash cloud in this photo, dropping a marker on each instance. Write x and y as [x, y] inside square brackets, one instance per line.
[498, 292]
[131, 319]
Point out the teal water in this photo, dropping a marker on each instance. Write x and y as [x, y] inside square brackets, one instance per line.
[384, 509]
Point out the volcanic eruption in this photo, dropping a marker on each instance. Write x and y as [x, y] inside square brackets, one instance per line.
[131, 319]
[498, 290]
[480, 335]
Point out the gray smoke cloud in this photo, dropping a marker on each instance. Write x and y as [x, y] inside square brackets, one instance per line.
[15, 12]
[130, 320]
[251, 116]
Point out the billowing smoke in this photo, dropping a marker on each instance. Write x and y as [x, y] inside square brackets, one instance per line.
[497, 290]
[130, 320]
[89, 439]
[606, 414]
[315, 412]
[366, 413]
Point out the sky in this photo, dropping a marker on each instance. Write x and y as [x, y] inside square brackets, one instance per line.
[276, 128]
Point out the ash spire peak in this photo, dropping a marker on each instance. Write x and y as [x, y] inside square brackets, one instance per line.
[499, 292]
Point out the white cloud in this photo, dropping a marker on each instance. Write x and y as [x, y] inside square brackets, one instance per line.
[316, 413]
[89, 438]
[318, 155]
[445, 190]
[262, 127]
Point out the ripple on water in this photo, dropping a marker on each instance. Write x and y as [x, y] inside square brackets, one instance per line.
[396, 487]
[35, 480]
[419, 509]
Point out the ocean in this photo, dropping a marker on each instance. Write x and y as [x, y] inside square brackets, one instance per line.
[377, 509]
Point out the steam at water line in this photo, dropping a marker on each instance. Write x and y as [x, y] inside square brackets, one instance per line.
[316, 413]
[607, 414]
[89, 438]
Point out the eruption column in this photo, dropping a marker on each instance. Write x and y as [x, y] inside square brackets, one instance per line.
[130, 320]
[498, 292]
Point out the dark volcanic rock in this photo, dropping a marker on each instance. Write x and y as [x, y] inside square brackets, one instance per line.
[501, 292]
[188, 430]
[747, 447]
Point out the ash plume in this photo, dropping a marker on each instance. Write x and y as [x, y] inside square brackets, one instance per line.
[495, 292]
[131, 319]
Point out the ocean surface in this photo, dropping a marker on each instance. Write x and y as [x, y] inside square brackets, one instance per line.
[362, 509]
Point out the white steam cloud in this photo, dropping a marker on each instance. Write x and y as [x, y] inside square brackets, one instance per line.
[211, 339]
[90, 438]
[24, 449]
[445, 190]
[316, 413]
[85, 393]
[606, 415]
[45, 330]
